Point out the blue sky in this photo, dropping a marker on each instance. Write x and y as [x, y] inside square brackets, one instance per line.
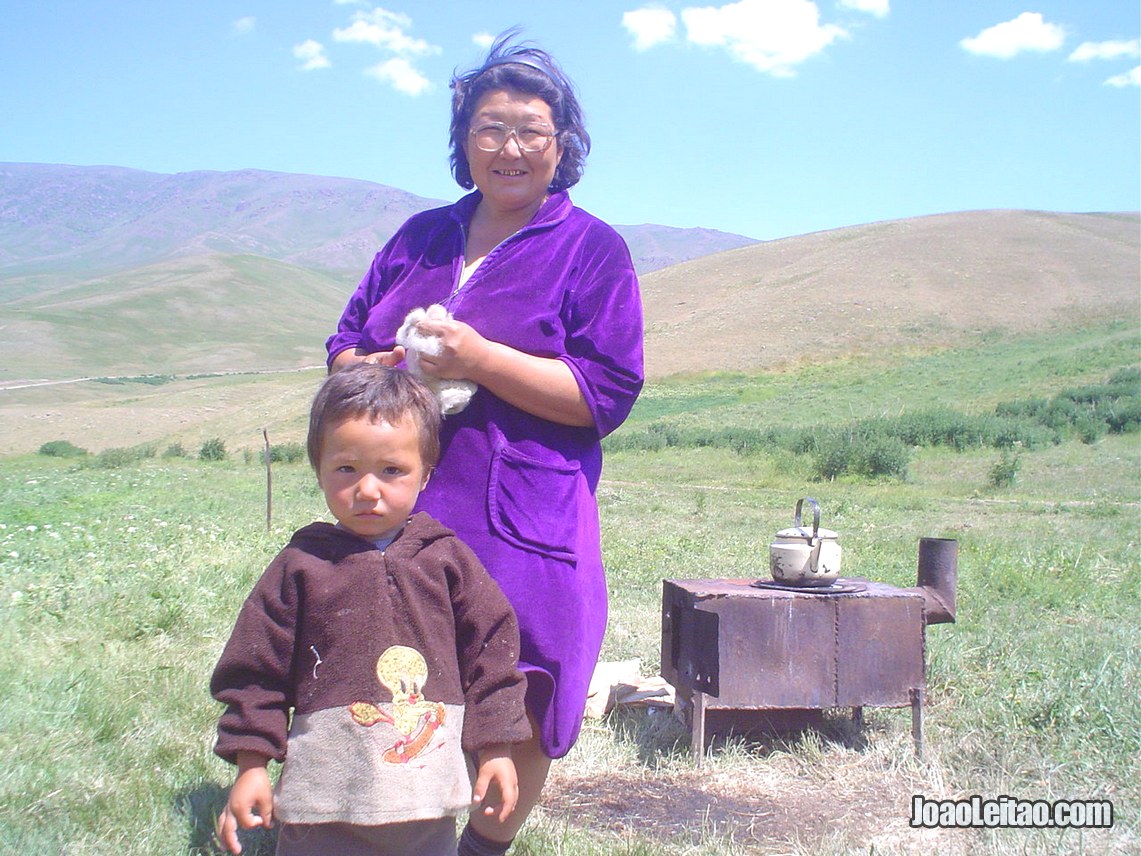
[767, 118]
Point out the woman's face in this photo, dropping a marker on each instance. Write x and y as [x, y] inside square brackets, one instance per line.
[511, 179]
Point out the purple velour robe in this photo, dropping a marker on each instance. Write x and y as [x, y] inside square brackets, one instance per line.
[520, 490]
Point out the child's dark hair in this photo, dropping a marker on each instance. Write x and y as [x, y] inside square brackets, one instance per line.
[380, 394]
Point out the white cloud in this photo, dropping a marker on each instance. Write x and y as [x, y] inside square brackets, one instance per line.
[243, 25]
[773, 36]
[312, 55]
[1105, 50]
[386, 30]
[1028, 32]
[400, 73]
[879, 8]
[483, 40]
[650, 26]
[1130, 78]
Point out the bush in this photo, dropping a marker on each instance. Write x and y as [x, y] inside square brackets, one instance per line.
[62, 449]
[880, 447]
[1031, 408]
[1087, 411]
[286, 453]
[1090, 429]
[634, 441]
[212, 450]
[885, 457]
[1005, 469]
[872, 454]
[833, 458]
[174, 450]
[1124, 416]
[113, 459]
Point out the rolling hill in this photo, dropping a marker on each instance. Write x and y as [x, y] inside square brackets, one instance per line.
[117, 271]
[922, 282]
[226, 285]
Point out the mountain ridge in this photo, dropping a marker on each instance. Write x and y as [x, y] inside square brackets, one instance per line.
[62, 219]
[216, 283]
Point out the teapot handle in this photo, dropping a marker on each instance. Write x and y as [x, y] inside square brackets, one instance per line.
[815, 515]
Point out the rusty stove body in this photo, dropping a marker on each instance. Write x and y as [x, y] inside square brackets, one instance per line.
[752, 650]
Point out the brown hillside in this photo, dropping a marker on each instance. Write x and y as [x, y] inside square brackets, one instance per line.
[924, 281]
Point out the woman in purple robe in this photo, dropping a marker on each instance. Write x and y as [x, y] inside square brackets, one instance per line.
[547, 321]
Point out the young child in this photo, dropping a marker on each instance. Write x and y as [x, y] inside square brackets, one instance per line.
[371, 655]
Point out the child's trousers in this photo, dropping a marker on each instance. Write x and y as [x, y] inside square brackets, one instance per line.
[416, 838]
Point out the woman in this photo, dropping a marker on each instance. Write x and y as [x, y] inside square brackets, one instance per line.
[547, 321]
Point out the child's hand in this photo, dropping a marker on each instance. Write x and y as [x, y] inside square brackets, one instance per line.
[497, 777]
[250, 803]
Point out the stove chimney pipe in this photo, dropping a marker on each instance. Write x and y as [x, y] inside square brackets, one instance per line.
[938, 578]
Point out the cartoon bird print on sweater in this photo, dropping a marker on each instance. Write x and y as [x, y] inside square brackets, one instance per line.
[403, 672]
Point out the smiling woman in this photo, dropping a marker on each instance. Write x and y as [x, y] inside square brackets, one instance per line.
[513, 175]
[546, 319]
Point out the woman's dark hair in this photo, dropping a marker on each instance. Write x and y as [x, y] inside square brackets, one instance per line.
[380, 394]
[533, 71]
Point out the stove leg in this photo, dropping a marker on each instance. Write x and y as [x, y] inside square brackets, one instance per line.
[697, 734]
[917, 720]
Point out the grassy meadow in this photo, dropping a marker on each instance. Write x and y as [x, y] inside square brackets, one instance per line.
[120, 577]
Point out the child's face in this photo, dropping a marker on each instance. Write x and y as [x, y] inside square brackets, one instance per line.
[372, 473]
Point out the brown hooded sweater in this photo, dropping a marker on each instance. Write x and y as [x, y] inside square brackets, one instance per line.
[370, 674]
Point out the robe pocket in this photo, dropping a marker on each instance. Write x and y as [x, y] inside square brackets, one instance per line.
[533, 504]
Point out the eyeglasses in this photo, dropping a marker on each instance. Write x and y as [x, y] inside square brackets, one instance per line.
[532, 139]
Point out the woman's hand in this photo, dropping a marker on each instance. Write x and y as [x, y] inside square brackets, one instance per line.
[355, 355]
[497, 776]
[542, 386]
[461, 349]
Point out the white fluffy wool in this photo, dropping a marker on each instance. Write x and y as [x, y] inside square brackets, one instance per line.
[453, 395]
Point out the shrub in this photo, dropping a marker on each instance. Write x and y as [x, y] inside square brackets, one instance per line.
[1005, 469]
[1124, 416]
[113, 459]
[1031, 408]
[174, 450]
[832, 457]
[669, 434]
[62, 449]
[640, 441]
[1090, 429]
[884, 457]
[212, 450]
[1087, 411]
[287, 453]
[869, 452]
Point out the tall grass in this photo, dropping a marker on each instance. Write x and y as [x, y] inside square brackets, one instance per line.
[118, 586]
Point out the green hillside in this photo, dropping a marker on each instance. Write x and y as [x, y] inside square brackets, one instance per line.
[201, 314]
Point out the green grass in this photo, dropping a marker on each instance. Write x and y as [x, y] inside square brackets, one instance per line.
[118, 586]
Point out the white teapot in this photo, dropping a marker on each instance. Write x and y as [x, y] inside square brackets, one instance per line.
[805, 557]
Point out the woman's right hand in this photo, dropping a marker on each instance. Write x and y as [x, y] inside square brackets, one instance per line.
[356, 355]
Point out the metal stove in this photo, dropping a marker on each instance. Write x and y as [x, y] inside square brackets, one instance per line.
[748, 651]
